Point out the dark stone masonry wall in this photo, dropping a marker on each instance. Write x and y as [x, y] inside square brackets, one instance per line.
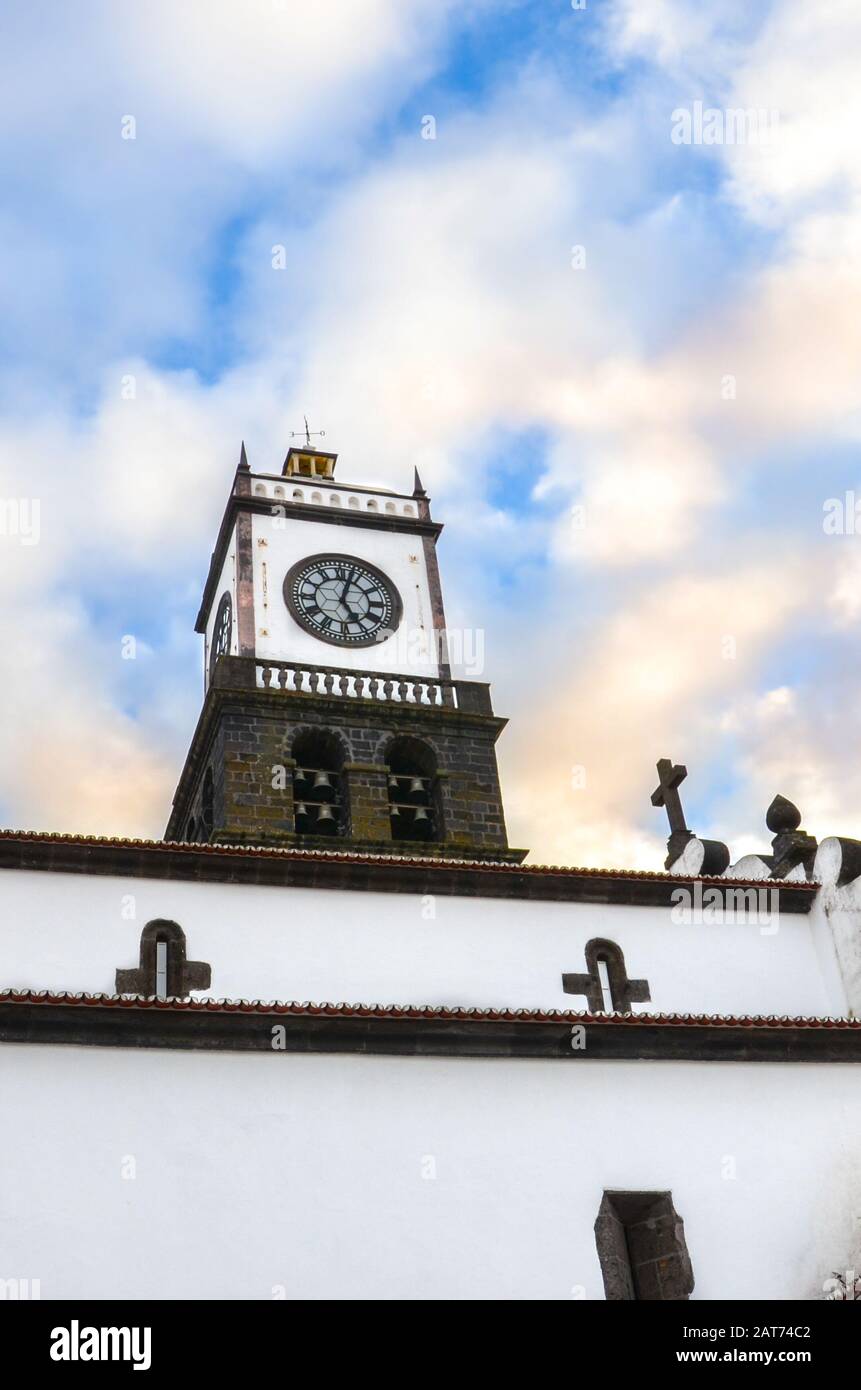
[247, 738]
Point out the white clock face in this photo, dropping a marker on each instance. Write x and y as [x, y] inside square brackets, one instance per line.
[343, 600]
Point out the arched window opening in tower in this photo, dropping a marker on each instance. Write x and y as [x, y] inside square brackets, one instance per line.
[413, 790]
[319, 793]
[207, 806]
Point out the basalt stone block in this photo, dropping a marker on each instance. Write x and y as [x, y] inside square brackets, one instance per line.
[243, 738]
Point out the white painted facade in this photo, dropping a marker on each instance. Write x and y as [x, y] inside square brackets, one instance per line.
[311, 1176]
[278, 542]
[347, 1176]
[72, 932]
[280, 539]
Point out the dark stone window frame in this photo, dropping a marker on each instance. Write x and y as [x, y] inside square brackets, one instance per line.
[624, 991]
[183, 975]
[641, 1245]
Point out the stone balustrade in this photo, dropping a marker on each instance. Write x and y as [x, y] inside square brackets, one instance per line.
[301, 678]
[334, 682]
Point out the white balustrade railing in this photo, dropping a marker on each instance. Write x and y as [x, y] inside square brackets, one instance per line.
[303, 679]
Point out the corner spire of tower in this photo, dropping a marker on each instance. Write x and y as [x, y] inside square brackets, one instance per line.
[243, 459]
[418, 490]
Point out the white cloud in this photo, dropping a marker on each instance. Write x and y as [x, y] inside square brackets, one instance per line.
[108, 239]
[803, 64]
[654, 682]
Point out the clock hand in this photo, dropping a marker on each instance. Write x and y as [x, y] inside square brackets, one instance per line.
[352, 615]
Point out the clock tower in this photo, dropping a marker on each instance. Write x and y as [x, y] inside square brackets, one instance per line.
[332, 716]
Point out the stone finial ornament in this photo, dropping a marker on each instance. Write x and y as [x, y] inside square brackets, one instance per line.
[782, 816]
[791, 846]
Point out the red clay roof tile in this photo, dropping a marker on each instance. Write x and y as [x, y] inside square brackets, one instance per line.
[413, 1011]
[426, 862]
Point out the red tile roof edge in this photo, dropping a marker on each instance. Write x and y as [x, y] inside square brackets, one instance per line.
[421, 861]
[416, 1011]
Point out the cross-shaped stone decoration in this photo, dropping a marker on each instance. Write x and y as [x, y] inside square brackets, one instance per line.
[667, 794]
[164, 970]
[623, 992]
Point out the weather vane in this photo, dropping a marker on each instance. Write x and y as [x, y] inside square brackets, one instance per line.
[294, 434]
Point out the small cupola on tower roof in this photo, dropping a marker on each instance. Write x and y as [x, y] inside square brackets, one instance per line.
[308, 463]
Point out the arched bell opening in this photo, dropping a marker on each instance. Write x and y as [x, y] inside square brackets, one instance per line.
[319, 788]
[414, 809]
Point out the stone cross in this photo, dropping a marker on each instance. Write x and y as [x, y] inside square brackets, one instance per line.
[623, 992]
[667, 793]
[164, 970]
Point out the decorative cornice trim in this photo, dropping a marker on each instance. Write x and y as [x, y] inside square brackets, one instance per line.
[288, 867]
[255, 1026]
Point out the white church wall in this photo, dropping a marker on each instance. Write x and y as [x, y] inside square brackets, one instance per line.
[840, 908]
[398, 555]
[149, 1174]
[835, 928]
[71, 932]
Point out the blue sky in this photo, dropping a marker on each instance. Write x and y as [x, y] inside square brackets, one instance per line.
[429, 312]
